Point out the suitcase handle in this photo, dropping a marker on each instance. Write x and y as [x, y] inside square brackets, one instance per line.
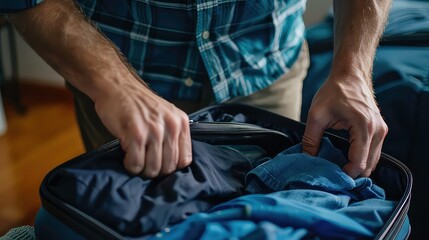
[232, 133]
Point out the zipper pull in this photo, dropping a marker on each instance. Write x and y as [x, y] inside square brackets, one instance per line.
[191, 122]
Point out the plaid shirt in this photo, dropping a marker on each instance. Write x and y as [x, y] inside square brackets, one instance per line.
[240, 46]
[17, 5]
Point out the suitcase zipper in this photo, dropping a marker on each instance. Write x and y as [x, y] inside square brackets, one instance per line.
[230, 128]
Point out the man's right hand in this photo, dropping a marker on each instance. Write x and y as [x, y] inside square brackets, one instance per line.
[153, 133]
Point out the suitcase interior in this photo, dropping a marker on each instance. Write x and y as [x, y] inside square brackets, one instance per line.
[390, 174]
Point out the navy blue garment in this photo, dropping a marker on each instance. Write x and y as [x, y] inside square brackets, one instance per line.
[133, 206]
[408, 18]
[407, 25]
[305, 197]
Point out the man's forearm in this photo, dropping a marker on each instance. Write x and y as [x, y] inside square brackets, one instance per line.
[60, 34]
[153, 133]
[358, 27]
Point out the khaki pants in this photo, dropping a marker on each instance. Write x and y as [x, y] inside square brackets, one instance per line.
[284, 97]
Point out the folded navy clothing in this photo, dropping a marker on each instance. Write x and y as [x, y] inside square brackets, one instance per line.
[295, 196]
[407, 24]
[407, 18]
[134, 206]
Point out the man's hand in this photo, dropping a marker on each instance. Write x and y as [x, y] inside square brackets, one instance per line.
[153, 133]
[346, 99]
[347, 102]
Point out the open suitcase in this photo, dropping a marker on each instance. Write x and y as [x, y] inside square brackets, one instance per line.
[223, 125]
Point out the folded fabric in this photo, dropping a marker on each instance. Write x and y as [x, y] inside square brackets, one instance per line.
[134, 206]
[292, 169]
[407, 18]
[228, 224]
[407, 24]
[304, 197]
[218, 116]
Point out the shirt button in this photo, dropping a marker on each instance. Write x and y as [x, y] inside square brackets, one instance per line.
[189, 82]
[206, 35]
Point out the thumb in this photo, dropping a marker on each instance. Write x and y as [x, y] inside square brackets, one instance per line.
[312, 136]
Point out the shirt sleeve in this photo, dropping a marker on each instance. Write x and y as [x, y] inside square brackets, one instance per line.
[8, 6]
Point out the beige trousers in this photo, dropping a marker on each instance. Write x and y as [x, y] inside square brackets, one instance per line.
[284, 96]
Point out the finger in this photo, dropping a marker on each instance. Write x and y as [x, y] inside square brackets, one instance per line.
[375, 150]
[373, 158]
[312, 136]
[185, 145]
[360, 141]
[153, 161]
[134, 156]
[170, 152]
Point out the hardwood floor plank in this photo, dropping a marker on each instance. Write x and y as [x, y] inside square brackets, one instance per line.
[44, 137]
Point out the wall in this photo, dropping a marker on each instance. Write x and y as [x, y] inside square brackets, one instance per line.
[316, 11]
[32, 68]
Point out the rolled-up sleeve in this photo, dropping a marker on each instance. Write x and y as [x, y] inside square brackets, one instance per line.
[7, 6]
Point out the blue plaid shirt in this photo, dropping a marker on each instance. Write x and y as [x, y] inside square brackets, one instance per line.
[240, 46]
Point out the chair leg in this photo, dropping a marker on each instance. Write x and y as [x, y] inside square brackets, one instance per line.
[14, 92]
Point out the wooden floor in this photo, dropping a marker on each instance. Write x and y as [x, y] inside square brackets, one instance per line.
[35, 142]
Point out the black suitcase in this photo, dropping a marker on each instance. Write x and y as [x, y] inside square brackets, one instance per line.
[224, 124]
